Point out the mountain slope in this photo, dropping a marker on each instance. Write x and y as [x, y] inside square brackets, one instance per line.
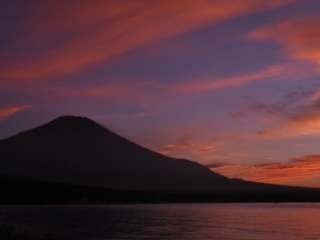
[79, 151]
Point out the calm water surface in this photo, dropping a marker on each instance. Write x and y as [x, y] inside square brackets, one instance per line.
[167, 221]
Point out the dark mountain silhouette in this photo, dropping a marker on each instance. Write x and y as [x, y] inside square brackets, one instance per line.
[76, 150]
[79, 151]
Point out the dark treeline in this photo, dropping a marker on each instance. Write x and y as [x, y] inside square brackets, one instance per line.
[19, 191]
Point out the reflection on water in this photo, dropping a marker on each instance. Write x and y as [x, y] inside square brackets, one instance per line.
[167, 221]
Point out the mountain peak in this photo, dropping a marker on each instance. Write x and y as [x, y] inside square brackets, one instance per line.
[67, 124]
[69, 119]
[72, 118]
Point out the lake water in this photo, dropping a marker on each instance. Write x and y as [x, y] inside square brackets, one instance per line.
[167, 221]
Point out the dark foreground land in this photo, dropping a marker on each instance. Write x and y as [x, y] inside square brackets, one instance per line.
[22, 191]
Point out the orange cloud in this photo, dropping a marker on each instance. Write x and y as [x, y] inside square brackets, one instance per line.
[294, 114]
[300, 37]
[184, 142]
[296, 169]
[6, 112]
[205, 149]
[303, 120]
[64, 39]
[304, 123]
[195, 147]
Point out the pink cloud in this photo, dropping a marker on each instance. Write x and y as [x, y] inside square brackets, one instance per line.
[86, 33]
[278, 72]
[300, 37]
[6, 112]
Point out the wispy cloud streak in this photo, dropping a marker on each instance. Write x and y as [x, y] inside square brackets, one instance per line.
[300, 37]
[296, 169]
[294, 114]
[6, 112]
[278, 72]
[89, 32]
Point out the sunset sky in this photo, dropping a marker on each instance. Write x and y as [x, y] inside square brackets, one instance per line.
[233, 85]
